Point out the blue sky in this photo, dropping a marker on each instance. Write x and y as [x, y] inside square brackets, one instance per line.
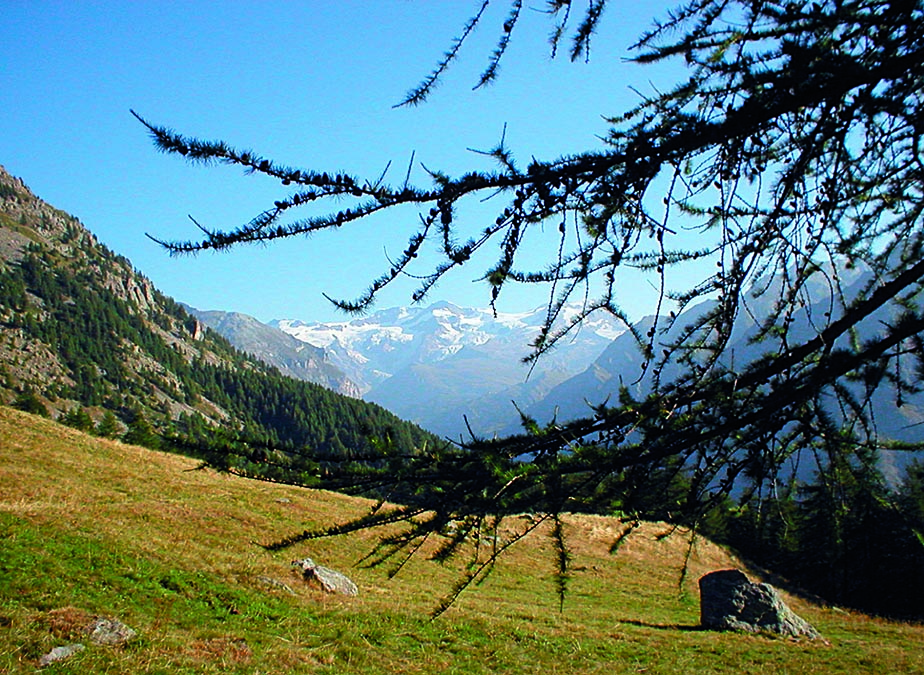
[310, 84]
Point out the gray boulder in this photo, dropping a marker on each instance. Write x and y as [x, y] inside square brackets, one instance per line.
[326, 579]
[729, 601]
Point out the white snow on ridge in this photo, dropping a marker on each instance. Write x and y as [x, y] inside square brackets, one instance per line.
[346, 333]
[429, 363]
[435, 332]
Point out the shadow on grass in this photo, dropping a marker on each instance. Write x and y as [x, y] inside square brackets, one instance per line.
[664, 626]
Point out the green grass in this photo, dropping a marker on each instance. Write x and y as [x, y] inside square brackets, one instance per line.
[97, 528]
[9, 222]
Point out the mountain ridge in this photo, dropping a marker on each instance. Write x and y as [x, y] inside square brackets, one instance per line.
[293, 358]
[83, 334]
[469, 360]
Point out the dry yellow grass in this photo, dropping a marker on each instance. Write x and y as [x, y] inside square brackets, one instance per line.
[145, 513]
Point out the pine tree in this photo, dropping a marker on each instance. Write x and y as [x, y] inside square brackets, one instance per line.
[28, 401]
[108, 426]
[140, 431]
[78, 418]
[911, 496]
[792, 151]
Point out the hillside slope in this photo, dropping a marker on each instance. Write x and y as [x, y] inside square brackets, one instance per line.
[81, 331]
[622, 364]
[291, 357]
[92, 527]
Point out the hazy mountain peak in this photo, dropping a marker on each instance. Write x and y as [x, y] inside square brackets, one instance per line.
[437, 362]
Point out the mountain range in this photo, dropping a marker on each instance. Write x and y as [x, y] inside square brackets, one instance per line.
[432, 365]
[293, 358]
[79, 325]
[622, 364]
[457, 371]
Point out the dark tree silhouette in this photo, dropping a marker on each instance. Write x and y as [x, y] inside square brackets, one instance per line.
[792, 152]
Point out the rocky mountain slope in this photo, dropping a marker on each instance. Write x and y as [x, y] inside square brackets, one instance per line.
[81, 329]
[292, 357]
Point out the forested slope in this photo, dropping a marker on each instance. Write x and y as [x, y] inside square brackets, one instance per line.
[87, 338]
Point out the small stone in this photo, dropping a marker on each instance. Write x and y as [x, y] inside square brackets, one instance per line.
[273, 583]
[60, 653]
[109, 632]
[329, 580]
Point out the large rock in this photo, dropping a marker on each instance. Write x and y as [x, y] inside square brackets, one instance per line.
[325, 578]
[729, 601]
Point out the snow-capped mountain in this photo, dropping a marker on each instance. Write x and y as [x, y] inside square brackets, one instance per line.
[435, 364]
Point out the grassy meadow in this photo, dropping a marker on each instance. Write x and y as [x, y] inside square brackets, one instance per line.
[90, 528]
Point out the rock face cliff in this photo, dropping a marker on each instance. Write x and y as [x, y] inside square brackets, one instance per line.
[27, 222]
[51, 244]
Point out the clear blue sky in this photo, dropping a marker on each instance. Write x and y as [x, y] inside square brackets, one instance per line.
[310, 84]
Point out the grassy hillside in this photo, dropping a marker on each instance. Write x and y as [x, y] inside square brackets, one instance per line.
[92, 527]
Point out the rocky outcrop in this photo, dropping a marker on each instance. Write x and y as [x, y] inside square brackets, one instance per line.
[730, 601]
